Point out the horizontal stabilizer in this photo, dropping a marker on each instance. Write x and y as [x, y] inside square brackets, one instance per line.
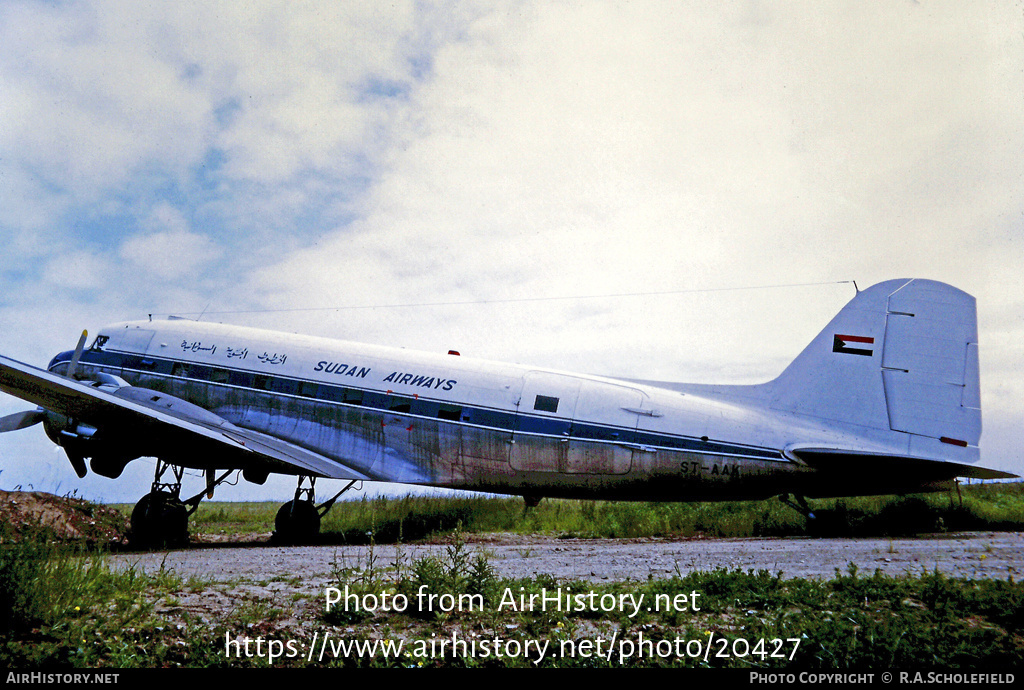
[890, 466]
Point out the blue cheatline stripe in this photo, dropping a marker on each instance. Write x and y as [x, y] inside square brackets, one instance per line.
[475, 415]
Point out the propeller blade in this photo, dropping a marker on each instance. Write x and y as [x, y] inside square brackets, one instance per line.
[21, 420]
[78, 354]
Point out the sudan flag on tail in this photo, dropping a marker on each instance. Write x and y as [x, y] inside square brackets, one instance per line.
[852, 344]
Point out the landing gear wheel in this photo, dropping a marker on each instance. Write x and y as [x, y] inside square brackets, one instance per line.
[297, 522]
[159, 520]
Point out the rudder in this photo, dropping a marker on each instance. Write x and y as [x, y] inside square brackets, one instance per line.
[902, 356]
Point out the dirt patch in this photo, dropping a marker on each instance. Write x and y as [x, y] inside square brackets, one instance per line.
[60, 518]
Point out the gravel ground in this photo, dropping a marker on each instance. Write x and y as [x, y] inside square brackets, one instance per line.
[968, 555]
[285, 586]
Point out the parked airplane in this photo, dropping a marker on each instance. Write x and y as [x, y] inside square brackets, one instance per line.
[884, 400]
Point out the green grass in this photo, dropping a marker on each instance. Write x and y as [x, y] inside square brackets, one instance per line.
[747, 619]
[63, 608]
[985, 507]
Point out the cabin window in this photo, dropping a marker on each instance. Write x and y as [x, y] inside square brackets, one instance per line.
[352, 397]
[179, 369]
[241, 378]
[286, 386]
[262, 383]
[308, 389]
[450, 412]
[546, 403]
[219, 376]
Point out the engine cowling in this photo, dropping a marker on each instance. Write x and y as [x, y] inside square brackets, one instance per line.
[80, 441]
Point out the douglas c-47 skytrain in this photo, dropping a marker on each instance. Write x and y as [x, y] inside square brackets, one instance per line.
[884, 400]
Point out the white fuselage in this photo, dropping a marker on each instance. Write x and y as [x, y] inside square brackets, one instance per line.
[445, 420]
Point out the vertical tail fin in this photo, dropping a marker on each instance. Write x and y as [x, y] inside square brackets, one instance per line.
[902, 356]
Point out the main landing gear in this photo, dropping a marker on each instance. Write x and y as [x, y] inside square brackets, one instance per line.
[298, 520]
[160, 518]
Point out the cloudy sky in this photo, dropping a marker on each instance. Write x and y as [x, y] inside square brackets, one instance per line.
[248, 157]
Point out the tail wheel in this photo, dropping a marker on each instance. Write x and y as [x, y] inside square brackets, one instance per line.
[297, 522]
[159, 520]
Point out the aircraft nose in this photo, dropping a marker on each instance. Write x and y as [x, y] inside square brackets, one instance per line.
[60, 358]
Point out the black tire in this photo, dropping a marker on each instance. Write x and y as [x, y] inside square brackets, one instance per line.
[159, 520]
[297, 522]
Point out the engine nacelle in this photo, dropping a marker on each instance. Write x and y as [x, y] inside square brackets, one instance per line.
[80, 441]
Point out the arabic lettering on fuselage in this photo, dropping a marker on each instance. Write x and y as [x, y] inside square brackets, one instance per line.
[272, 359]
[197, 346]
[233, 352]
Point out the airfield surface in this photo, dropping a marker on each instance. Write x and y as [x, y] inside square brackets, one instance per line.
[962, 555]
[291, 582]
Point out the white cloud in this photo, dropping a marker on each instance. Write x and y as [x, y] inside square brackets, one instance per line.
[170, 255]
[125, 98]
[78, 270]
[94, 102]
[667, 146]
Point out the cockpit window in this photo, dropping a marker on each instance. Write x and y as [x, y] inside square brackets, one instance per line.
[100, 341]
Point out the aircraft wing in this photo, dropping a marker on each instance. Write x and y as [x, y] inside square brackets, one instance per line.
[152, 423]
